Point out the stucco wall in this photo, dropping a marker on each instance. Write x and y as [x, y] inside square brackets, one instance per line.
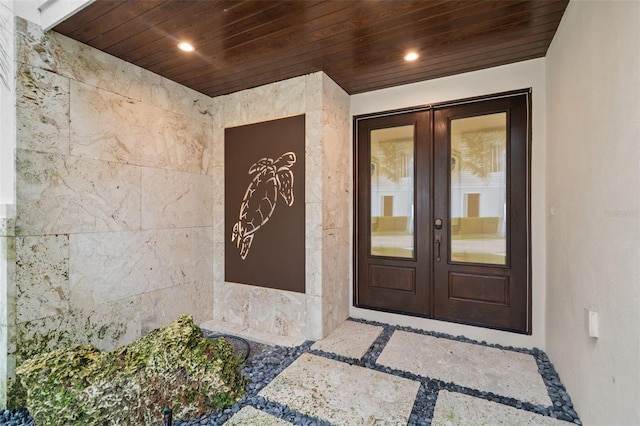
[528, 74]
[114, 212]
[324, 305]
[593, 200]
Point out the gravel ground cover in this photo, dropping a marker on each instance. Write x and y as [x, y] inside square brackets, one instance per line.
[264, 363]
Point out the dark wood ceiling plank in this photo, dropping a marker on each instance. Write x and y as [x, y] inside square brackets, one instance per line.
[136, 22]
[434, 49]
[211, 32]
[344, 58]
[393, 76]
[244, 44]
[470, 66]
[462, 63]
[315, 45]
[162, 32]
[117, 18]
[442, 55]
[231, 49]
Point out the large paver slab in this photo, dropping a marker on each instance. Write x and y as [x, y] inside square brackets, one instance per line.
[351, 339]
[250, 416]
[343, 394]
[456, 409]
[502, 372]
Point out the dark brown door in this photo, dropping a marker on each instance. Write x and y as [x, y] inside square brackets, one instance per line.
[456, 178]
[481, 274]
[393, 165]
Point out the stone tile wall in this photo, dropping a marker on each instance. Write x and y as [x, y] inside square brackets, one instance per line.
[7, 304]
[119, 220]
[337, 202]
[7, 206]
[114, 206]
[325, 303]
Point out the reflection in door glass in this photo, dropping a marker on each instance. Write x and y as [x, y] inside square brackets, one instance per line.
[478, 189]
[392, 182]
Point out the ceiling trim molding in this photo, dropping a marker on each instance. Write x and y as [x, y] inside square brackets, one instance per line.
[52, 12]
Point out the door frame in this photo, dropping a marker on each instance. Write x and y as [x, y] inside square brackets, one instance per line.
[431, 108]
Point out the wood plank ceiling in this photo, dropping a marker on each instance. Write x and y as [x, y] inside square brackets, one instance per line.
[359, 44]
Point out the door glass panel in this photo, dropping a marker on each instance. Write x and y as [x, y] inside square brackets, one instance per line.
[478, 189]
[392, 196]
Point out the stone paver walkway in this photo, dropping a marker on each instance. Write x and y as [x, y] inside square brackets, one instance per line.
[479, 367]
[374, 374]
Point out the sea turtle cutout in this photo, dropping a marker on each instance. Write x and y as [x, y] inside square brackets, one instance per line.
[270, 178]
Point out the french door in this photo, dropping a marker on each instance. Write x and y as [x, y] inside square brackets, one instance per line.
[442, 212]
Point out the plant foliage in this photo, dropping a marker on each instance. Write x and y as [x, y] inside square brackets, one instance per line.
[174, 366]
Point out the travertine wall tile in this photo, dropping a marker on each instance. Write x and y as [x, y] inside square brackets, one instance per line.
[173, 199]
[68, 58]
[290, 314]
[173, 97]
[106, 149]
[42, 276]
[42, 111]
[313, 271]
[327, 187]
[235, 304]
[261, 309]
[56, 53]
[218, 300]
[336, 156]
[108, 325]
[58, 195]
[335, 273]
[313, 157]
[217, 111]
[218, 261]
[49, 333]
[337, 200]
[218, 191]
[315, 324]
[33, 47]
[7, 302]
[112, 127]
[314, 99]
[166, 305]
[269, 102]
[7, 185]
[313, 224]
[218, 223]
[154, 260]
[217, 147]
[313, 248]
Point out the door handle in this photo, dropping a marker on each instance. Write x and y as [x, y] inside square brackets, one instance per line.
[438, 243]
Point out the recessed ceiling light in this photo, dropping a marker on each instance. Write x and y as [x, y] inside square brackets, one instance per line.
[186, 47]
[411, 56]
